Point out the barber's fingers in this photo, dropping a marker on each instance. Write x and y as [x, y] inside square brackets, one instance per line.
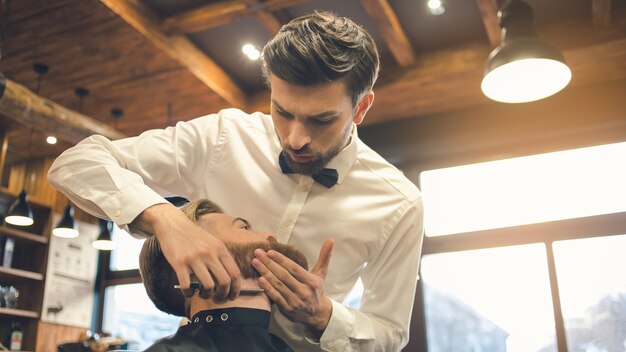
[321, 266]
[182, 273]
[279, 281]
[204, 277]
[232, 270]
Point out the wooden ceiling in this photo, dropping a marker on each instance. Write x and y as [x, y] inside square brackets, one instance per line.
[162, 61]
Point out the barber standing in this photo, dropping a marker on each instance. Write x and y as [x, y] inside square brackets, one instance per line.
[301, 172]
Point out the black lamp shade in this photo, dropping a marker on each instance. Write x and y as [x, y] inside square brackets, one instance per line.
[66, 228]
[20, 213]
[104, 241]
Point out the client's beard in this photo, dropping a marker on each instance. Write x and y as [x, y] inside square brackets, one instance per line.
[243, 253]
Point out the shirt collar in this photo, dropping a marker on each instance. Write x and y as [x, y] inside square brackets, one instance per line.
[343, 161]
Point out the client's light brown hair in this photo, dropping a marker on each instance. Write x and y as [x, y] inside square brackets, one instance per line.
[159, 277]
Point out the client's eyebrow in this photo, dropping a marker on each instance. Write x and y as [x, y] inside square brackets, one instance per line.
[242, 220]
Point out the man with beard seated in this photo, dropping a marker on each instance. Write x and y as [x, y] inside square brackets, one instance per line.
[230, 325]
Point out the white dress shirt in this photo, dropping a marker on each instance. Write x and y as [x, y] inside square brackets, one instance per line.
[373, 212]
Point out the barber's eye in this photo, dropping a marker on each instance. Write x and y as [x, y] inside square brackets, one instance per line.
[245, 227]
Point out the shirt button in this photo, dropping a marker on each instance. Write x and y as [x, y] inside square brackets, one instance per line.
[196, 320]
[209, 318]
[224, 317]
[118, 213]
[302, 188]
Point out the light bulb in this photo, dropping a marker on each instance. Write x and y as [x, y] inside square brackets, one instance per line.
[251, 51]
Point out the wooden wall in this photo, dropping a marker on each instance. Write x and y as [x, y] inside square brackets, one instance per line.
[39, 190]
[49, 336]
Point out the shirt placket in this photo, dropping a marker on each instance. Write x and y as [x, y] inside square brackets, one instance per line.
[294, 208]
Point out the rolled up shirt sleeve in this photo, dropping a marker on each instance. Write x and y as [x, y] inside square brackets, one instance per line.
[119, 179]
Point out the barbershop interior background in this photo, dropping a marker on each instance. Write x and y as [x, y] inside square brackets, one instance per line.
[525, 203]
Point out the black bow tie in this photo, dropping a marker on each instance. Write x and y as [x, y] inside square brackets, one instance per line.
[326, 177]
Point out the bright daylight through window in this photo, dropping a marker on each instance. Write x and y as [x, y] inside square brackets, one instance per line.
[546, 187]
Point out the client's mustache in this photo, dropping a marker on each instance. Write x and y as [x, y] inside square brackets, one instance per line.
[243, 253]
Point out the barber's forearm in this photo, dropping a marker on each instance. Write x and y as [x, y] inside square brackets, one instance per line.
[148, 220]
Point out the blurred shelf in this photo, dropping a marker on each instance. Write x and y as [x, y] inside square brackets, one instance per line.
[19, 313]
[19, 273]
[23, 235]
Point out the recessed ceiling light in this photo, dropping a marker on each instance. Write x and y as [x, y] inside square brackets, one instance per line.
[436, 7]
[251, 51]
[51, 140]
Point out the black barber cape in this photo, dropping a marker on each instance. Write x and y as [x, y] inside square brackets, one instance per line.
[224, 330]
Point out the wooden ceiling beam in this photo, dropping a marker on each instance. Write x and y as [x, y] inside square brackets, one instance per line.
[32, 110]
[448, 81]
[387, 23]
[266, 18]
[489, 13]
[601, 13]
[180, 48]
[223, 12]
[205, 17]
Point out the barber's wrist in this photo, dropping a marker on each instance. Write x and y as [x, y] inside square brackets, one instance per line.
[318, 323]
[146, 222]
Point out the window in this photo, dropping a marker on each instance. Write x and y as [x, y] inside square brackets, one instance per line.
[518, 191]
[526, 254]
[129, 313]
[125, 256]
[488, 300]
[592, 284]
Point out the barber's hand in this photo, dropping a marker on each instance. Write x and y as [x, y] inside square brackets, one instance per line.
[190, 249]
[299, 294]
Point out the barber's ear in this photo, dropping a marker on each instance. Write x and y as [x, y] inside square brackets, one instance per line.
[362, 107]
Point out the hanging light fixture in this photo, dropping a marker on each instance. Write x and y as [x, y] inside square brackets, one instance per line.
[66, 227]
[523, 68]
[20, 213]
[104, 241]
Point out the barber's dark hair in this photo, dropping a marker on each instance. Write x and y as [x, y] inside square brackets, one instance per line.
[157, 274]
[321, 48]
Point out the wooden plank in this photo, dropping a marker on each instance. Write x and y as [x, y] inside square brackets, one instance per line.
[449, 80]
[180, 48]
[266, 18]
[23, 235]
[387, 23]
[19, 313]
[19, 273]
[223, 12]
[50, 335]
[489, 13]
[30, 109]
[601, 13]
[204, 17]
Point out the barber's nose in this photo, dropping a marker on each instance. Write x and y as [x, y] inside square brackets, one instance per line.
[298, 136]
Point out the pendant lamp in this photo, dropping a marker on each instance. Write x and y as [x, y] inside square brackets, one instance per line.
[104, 241]
[66, 227]
[20, 213]
[523, 68]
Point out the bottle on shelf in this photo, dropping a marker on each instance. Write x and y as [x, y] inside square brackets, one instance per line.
[16, 337]
[7, 253]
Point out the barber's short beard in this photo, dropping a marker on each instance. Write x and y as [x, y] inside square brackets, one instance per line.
[243, 253]
[320, 160]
